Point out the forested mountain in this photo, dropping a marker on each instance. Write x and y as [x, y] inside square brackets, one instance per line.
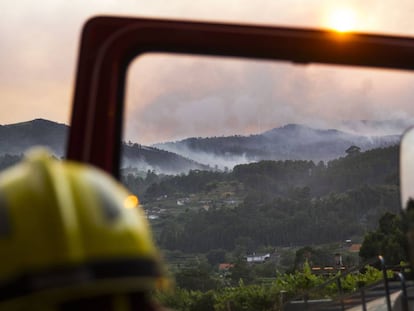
[280, 202]
[293, 141]
[145, 158]
[281, 221]
[16, 139]
[264, 203]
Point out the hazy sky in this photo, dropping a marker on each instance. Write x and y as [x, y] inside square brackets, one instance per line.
[173, 98]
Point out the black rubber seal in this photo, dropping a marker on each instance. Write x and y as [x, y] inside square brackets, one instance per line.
[5, 226]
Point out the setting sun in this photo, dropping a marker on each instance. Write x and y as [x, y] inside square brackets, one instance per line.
[342, 20]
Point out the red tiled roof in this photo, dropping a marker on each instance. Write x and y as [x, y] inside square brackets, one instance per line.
[225, 266]
[354, 248]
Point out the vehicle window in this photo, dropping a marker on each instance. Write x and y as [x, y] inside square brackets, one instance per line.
[240, 162]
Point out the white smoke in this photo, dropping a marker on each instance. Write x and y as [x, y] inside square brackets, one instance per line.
[210, 159]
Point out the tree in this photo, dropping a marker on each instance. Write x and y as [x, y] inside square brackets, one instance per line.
[353, 150]
[216, 256]
[242, 272]
[388, 240]
[198, 277]
[312, 256]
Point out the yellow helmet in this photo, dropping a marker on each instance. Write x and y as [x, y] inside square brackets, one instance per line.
[69, 230]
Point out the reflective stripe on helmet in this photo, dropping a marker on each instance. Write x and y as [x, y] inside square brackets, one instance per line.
[109, 206]
[77, 275]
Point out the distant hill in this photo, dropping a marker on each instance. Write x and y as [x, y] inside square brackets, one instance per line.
[281, 203]
[16, 139]
[292, 141]
[146, 158]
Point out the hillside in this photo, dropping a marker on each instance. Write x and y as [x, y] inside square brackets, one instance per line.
[146, 158]
[275, 203]
[16, 139]
[292, 141]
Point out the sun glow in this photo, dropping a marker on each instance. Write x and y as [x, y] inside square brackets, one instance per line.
[342, 20]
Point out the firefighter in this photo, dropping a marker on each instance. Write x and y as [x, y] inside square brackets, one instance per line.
[72, 238]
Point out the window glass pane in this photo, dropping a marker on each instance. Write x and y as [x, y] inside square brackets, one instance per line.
[255, 160]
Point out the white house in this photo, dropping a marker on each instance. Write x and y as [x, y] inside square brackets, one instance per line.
[257, 258]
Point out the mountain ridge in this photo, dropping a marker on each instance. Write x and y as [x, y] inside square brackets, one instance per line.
[291, 141]
[17, 138]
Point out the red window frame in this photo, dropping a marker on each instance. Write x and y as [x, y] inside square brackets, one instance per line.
[109, 44]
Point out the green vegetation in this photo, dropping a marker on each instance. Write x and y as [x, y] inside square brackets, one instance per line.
[271, 203]
[298, 212]
[387, 240]
[265, 297]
